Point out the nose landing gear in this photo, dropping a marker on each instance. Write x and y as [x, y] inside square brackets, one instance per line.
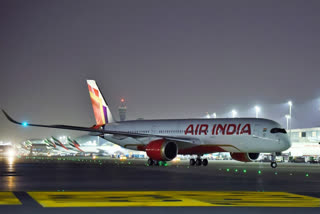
[274, 164]
[273, 161]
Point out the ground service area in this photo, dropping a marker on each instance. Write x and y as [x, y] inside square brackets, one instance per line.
[83, 185]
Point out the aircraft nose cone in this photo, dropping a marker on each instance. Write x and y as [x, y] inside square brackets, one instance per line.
[286, 142]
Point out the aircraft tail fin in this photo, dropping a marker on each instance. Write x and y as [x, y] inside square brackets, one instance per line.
[101, 110]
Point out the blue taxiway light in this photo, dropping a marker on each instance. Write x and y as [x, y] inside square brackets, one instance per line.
[25, 124]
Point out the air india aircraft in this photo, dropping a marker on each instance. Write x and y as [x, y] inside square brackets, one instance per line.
[163, 140]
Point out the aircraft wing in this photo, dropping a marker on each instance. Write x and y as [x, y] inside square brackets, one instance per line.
[102, 131]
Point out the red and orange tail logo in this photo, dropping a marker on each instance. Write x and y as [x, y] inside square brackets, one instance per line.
[101, 111]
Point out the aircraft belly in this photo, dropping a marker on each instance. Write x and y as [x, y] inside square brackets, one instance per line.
[227, 143]
[239, 143]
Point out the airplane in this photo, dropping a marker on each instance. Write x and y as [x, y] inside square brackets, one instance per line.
[49, 143]
[63, 148]
[74, 144]
[94, 149]
[58, 143]
[163, 140]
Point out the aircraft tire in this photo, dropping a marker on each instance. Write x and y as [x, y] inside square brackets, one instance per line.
[192, 162]
[198, 162]
[205, 162]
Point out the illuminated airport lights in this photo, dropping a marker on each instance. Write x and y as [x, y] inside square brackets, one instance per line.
[259, 172]
[62, 138]
[214, 115]
[234, 113]
[257, 108]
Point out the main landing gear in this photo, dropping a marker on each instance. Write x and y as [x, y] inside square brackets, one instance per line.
[156, 163]
[273, 161]
[198, 161]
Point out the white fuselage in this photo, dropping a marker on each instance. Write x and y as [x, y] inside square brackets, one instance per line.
[204, 135]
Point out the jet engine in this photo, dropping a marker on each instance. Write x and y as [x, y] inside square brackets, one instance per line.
[162, 150]
[244, 157]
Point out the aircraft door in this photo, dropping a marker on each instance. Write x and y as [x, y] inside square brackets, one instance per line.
[258, 131]
[154, 129]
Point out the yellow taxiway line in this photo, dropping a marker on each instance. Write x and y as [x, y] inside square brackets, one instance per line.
[8, 198]
[173, 198]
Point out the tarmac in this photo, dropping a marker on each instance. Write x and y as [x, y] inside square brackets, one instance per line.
[100, 185]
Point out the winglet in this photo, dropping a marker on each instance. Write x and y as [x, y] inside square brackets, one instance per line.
[10, 118]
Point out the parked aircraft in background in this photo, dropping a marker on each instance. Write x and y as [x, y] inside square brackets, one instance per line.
[74, 144]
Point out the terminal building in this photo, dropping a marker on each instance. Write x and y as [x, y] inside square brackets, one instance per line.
[305, 142]
[309, 135]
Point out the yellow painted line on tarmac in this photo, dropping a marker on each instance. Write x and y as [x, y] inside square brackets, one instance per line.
[8, 198]
[173, 198]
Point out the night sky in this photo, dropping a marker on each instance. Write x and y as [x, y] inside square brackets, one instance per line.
[168, 59]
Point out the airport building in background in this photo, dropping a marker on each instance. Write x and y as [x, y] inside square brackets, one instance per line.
[305, 142]
[305, 135]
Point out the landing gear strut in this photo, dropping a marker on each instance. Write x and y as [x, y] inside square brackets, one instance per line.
[150, 162]
[273, 161]
[198, 161]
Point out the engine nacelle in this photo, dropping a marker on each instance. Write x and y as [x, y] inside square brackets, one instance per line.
[244, 157]
[162, 150]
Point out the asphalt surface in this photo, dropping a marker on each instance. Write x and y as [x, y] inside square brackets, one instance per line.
[67, 175]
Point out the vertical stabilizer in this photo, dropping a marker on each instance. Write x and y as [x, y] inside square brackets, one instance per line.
[101, 110]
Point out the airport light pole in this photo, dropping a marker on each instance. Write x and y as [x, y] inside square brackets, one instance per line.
[288, 117]
[234, 113]
[257, 108]
[290, 106]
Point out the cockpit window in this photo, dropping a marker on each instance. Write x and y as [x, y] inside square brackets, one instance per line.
[278, 130]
